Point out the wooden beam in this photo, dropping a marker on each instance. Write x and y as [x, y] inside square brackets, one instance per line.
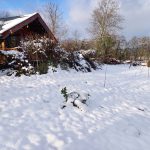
[3, 45]
[8, 49]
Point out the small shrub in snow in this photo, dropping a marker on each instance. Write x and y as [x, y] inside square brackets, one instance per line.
[64, 93]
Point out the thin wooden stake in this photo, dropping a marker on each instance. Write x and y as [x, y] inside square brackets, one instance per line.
[105, 77]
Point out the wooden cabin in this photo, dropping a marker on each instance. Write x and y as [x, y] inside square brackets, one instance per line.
[15, 29]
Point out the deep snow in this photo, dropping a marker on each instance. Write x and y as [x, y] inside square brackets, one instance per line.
[117, 117]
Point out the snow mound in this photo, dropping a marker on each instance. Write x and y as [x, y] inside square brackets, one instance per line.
[76, 99]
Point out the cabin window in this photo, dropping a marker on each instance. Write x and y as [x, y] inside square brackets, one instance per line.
[12, 41]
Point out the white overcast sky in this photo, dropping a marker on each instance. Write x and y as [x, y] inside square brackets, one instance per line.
[136, 14]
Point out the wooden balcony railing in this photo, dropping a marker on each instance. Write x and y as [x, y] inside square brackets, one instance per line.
[8, 49]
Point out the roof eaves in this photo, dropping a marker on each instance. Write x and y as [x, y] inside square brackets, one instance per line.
[24, 17]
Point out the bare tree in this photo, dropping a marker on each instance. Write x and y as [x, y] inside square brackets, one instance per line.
[76, 35]
[106, 21]
[76, 39]
[145, 47]
[134, 47]
[4, 14]
[54, 19]
[120, 46]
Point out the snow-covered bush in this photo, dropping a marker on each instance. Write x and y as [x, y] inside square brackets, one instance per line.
[41, 53]
[82, 63]
[77, 61]
[36, 47]
[17, 63]
[88, 53]
[42, 49]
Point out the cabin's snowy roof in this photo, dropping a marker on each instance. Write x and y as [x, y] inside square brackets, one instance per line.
[13, 24]
[8, 23]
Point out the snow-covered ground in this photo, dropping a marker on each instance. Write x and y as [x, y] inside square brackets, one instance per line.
[117, 117]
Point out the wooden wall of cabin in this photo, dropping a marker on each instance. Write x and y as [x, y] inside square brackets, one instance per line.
[0, 44]
[13, 40]
[3, 58]
[34, 28]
